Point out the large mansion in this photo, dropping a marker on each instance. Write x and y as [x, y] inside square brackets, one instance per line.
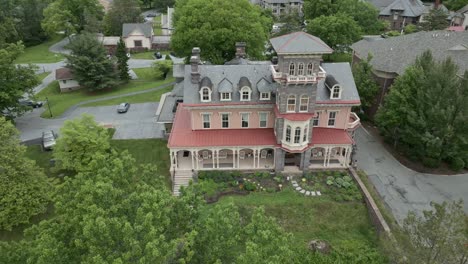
[293, 115]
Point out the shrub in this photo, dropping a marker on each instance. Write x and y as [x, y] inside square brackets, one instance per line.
[208, 187]
[457, 164]
[347, 179]
[430, 162]
[168, 57]
[330, 180]
[339, 182]
[249, 186]
[336, 173]
[278, 179]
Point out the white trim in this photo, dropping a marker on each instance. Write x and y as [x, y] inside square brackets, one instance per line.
[203, 120]
[241, 93]
[268, 98]
[229, 119]
[307, 104]
[319, 114]
[266, 119]
[248, 119]
[221, 96]
[333, 91]
[328, 118]
[287, 103]
[201, 94]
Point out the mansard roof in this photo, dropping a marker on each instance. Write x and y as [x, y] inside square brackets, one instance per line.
[225, 86]
[300, 43]
[410, 8]
[342, 75]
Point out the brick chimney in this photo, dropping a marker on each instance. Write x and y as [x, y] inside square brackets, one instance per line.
[194, 62]
[240, 50]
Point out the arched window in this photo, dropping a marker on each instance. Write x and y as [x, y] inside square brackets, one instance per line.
[245, 93]
[310, 69]
[304, 103]
[297, 135]
[288, 134]
[300, 69]
[304, 136]
[336, 92]
[292, 69]
[291, 103]
[205, 94]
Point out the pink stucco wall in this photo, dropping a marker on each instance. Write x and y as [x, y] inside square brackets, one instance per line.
[234, 118]
[342, 116]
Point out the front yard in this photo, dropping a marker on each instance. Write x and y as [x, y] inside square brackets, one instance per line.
[40, 53]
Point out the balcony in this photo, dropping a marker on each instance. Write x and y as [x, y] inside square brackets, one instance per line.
[353, 121]
[299, 79]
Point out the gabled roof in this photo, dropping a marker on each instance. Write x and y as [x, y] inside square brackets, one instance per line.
[300, 43]
[63, 74]
[380, 4]
[410, 8]
[140, 28]
[394, 54]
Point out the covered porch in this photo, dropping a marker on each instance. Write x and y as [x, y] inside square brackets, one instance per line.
[238, 158]
[330, 157]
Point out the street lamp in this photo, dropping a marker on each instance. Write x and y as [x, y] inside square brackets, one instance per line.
[48, 106]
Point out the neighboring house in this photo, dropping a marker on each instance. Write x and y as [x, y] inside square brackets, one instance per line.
[391, 56]
[166, 22]
[279, 7]
[253, 115]
[138, 36]
[109, 43]
[459, 19]
[65, 79]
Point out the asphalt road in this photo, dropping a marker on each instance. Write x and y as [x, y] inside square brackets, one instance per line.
[138, 122]
[401, 188]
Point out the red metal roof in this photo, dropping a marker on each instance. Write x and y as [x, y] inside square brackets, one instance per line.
[182, 134]
[294, 116]
[321, 135]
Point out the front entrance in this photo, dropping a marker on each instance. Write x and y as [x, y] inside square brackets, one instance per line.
[292, 159]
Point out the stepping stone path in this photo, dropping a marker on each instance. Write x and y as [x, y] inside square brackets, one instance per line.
[302, 191]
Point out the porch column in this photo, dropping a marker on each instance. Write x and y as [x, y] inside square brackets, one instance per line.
[213, 157]
[217, 159]
[254, 154]
[175, 159]
[191, 155]
[233, 158]
[348, 155]
[325, 155]
[238, 163]
[197, 159]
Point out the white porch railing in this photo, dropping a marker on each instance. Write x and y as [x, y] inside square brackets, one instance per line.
[315, 77]
[354, 121]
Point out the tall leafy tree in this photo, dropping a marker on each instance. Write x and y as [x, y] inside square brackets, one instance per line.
[455, 5]
[15, 80]
[120, 12]
[23, 186]
[425, 113]
[365, 82]
[89, 63]
[436, 20]
[338, 31]
[80, 140]
[122, 61]
[162, 5]
[216, 25]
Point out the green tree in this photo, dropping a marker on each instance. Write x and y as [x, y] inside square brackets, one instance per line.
[89, 63]
[23, 186]
[15, 81]
[455, 5]
[215, 26]
[410, 28]
[315, 9]
[80, 140]
[438, 235]
[162, 68]
[436, 20]
[120, 12]
[425, 113]
[162, 5]
[122, 61]
[292, 22]
[365, 82]
[71, 16]
[338, 31]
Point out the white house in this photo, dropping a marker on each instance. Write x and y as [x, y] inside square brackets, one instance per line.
[65, 79]
[137, 36]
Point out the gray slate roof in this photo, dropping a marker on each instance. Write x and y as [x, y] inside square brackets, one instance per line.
[299, 43]
[342, 75]
[380, 4]
[396, 53]
[128, 28]
[411, 8]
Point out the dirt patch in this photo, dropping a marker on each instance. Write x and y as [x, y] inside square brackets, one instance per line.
[444, 169]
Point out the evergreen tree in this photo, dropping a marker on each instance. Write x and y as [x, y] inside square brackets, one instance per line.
[436, 20]
[122, 61]
[366, 85]
[425, 113]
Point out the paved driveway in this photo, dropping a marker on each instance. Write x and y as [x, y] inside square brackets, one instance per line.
[401, 188]
[138, 122]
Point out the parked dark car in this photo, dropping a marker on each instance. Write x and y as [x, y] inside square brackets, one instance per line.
[158, 55]
[151, 15]
[31, 103]
[123, 108]
[48, 139]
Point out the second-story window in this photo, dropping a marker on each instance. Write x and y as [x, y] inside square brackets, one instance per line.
[288, 134]
[244, 119]
[225, 120]
[300, 69]
[206, 120]
[263, 117]
[265, 96]
[225, 96]
[297, 135]
[316, 120]
[336, 92]
[310, 69]
[205, 94]
[245, 94]
[332, 118]
[304, 103]
[292, 69]
[291, 103]
[304, 136]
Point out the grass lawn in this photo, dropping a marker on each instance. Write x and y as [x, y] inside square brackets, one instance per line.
[157, 25]
[154, 96]
[41, 76]
[310, 218]
[60, 102]
[40, 53]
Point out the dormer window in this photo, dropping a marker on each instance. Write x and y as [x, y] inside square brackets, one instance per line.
[265, 96]
[336, 92]
[225, 96]
[205, 94]
[292, 69]
[245, 93]
[291, 103]
[310, 69]
[300, 69]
